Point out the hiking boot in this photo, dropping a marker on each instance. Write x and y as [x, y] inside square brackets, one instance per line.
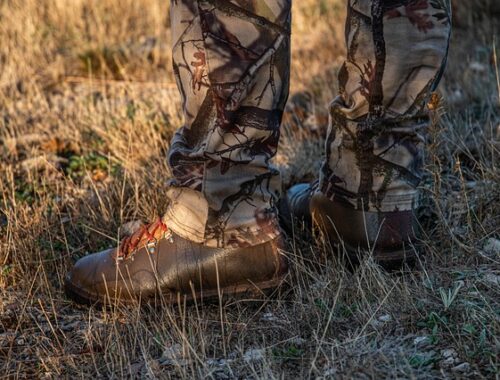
[294, 207]
[388, 236]
[155, 263]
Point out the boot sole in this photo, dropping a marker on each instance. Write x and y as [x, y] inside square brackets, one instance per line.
[248, 291]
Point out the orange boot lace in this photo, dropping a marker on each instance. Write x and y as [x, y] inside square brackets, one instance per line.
[147, 236]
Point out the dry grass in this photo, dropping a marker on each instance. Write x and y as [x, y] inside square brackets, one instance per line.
[87, 108]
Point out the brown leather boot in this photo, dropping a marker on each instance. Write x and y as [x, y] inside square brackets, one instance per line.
[386, 235]
[154, 262]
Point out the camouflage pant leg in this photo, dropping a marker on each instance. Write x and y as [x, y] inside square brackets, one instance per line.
[231, 60]
[396, 53]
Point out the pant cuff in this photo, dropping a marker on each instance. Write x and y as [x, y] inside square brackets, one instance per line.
[406, 200]
[187, 216]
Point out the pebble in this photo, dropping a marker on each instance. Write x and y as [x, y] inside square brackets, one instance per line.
[376, 324]
[447, 363]
[492, 279]
[463, 367]
[254, 355]
[450, 357]
[385, 318]
[268, 317]
[421, 341]
[478, 67]
[492, 247]
[449, 353]
[218, 362]
[330, 372]
[20, 342]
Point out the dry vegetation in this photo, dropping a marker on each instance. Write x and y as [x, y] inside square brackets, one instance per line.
[87, 108]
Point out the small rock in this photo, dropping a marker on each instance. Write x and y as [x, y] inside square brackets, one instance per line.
[319, 285]
[212, 362]
[268, 317]
[376, 324]
[492, 279]
[463, 367]
[471, 185]
[449, 353]
[447, 363]
[385, 318]
[330, 372]
[421, 341]
[232, 356]
[450, 357]
[254, 355]
[492, 247]
[20, 342]
[478, 67]
[218, 362]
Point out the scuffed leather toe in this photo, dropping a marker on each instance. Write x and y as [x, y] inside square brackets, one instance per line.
[97, 278]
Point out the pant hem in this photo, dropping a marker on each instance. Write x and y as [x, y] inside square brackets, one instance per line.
[386, 203]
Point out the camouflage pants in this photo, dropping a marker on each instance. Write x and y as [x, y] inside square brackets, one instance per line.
[231, 59]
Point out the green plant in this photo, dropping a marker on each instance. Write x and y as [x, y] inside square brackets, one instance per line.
[448, 296]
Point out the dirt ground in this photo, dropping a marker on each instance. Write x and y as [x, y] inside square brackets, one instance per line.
[88, 105]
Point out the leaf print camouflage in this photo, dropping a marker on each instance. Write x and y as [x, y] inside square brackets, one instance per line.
[231, 61]
[396, 54]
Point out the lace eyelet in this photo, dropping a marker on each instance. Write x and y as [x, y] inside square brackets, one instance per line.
[167, 235]
[129, 248]
[151, 246]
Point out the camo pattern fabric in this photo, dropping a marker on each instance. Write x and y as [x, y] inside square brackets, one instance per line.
[396, 54]
[231, 59]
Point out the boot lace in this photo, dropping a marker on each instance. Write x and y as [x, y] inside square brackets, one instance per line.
[145, 236]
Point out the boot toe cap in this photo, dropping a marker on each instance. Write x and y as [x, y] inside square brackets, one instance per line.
[88, 278]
